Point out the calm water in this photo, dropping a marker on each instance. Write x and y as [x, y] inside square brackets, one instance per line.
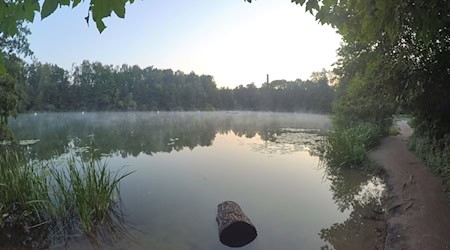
[187, 163]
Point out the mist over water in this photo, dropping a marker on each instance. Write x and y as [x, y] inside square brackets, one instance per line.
[132, 133]
[186, 163]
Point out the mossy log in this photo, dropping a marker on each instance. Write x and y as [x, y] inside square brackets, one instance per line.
[235, 228]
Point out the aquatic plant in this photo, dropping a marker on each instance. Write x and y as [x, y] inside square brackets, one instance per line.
[23, 184]
[88, 191]
[24, 198]
[39, 198]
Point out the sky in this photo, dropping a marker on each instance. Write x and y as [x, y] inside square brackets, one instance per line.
[232, 40]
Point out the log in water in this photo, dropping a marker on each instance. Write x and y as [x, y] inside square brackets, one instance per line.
[235, 228]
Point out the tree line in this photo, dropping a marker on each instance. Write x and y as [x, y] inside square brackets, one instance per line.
[93, 86]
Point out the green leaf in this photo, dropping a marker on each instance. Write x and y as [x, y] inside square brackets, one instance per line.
[10, 26]
[100, 25]
[48, 8]
[64, 2]
[312, 5]
[30, 6]
[36, 5]
[75, 3]
[100, 9]
[301, 2]
[29, 14]
[118, 7]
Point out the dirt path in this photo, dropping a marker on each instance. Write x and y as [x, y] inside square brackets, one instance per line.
[418, 211]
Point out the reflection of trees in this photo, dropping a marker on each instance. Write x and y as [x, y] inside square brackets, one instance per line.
[140, 132]
[345, 186]
[364, 229]
[361, 192]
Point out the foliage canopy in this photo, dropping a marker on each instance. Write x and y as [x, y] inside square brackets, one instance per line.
[15, 12]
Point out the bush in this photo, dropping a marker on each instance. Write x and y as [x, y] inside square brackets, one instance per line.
[433, 146]
[348, 146]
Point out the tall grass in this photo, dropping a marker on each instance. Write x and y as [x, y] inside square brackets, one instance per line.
[87, 191]
[23, 190]
[81, 195]
[348, 146]
[24, 202]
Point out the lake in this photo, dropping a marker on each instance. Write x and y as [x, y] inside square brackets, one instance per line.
[186, 163]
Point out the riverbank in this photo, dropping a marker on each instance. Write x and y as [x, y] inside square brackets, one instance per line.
[417, 210]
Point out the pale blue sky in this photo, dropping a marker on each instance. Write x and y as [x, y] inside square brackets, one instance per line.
[236, 42]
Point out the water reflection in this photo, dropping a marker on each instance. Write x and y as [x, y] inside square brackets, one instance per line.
[362, 193]
[265, 161]
[129, 134]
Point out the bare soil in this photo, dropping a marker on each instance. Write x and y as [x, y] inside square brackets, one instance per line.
[417, 209]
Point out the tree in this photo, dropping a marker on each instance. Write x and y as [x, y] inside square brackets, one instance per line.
[8, 102]
[11, 47]
[96, 86]
[394, 56]
[14, 14]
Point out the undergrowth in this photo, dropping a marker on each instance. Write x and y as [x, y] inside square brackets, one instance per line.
[433, 146]
[349, 146]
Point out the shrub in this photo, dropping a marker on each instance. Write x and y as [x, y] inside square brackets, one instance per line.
[433, 146]
[348, 146]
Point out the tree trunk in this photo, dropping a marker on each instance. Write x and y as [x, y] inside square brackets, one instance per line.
[235, 228]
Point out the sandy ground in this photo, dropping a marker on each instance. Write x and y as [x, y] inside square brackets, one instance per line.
[418, 211]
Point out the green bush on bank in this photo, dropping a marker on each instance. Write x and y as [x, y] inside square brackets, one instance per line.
[348, 146]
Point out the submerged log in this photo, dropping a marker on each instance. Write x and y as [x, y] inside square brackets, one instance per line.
[235, 228]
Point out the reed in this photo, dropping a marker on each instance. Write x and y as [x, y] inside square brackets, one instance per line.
[77, 196]
[89, 191]
[23, 191]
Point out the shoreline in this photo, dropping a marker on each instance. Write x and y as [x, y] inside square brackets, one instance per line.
[417, 211]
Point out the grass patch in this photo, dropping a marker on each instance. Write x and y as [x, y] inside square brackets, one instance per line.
[41, 199]
[348, 147]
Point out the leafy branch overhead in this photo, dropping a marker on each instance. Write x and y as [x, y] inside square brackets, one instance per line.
[15, 12]
[366, 20]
